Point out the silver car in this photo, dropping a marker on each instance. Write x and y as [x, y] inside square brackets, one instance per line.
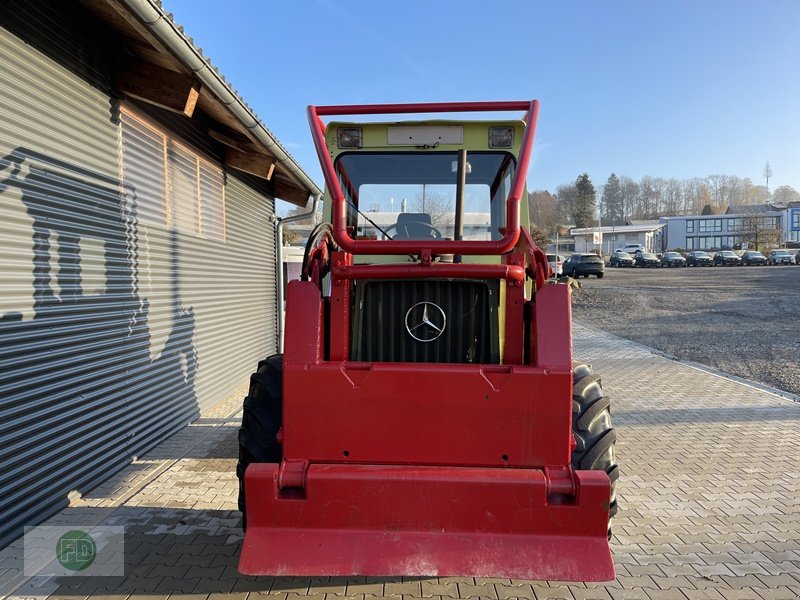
[556, 263]
[780, 257]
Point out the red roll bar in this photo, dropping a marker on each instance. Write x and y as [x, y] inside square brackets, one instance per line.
[501, 246]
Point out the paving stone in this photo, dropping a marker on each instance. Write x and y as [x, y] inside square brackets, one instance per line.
[434, 588]
[624, 594]
[713, 594]
[709, 493]
[368, 586]
[402, 588]
[674, 594]
[783, 593]
[507, 592]
[590, 594]
[467, 590]
[552, 593]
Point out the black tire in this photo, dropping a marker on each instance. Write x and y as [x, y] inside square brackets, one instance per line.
[600, 275]
[262, 416]
[595, 437]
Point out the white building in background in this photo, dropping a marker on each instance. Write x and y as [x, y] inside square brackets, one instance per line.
[609, 238]
[477, 225]
[715, 232]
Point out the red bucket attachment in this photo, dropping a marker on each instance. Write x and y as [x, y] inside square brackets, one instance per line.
[426, 521]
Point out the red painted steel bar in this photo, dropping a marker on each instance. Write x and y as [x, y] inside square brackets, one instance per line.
[342, 237]
[507, 272]
[422, 107]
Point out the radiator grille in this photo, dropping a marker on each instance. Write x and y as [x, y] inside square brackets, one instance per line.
[470, 334]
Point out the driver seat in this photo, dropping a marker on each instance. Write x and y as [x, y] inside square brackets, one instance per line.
[414, 226]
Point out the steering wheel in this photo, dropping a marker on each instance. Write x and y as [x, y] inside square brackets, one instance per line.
[408, 231]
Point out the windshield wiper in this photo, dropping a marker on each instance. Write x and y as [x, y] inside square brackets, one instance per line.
[375, 225]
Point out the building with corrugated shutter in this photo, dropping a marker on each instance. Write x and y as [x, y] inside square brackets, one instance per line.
[137, 243]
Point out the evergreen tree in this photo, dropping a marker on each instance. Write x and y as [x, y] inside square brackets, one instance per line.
[584, 206]
[613, 208]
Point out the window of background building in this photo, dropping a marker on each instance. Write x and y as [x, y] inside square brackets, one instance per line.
[171, 184]
[690, 226]
[710, 225]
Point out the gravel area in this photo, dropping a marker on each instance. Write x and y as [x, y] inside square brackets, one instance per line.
[741, 320]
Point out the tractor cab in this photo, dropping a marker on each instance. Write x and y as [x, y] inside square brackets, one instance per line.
[425, 180]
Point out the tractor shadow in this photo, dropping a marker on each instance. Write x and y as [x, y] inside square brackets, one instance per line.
[77, 347]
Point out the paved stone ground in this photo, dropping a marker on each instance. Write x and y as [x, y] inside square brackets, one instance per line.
[709, 497]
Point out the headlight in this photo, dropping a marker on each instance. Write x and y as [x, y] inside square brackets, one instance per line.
[501, 137]
[349, 137]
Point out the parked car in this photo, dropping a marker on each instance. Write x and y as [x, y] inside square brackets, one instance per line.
[556, 263]
[753, 257]
[672, 259]
[633, 248]
[699, 258]
[780, 257]
[578, 265]
[620, 258]
[727, 258]
[647, 259]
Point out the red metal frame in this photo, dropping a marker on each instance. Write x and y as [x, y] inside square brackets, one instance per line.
[427, 469]
[340, 233]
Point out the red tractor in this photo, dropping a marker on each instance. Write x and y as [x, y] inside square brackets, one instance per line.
[426, 417]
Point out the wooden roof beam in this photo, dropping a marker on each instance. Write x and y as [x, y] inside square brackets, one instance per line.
[167, 89]
[233, 140]
[263, 166]
[251, 162]
[291, 194]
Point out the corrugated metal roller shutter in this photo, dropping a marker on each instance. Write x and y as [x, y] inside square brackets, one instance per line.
[119, 320]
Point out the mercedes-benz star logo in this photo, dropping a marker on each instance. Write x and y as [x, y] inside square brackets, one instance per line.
[425, 321]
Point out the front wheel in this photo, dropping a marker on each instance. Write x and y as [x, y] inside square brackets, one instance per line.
[595, 437]
[262, 417]
[599, 275]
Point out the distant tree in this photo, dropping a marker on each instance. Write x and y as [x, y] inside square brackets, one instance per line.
[651, 191]
[584, 206]
[785, 193]
[691, 189]
[673, 198]
[750, 193]
[726, 190]
[630, 194]
[290, 237]
[614, 209]
[767, 173]
[566, 201]
[542, 207]
[540, 236]
[622, 198]
[299, 210]
[708, 209]
[704, 195]
[760, 232]
[437, 206]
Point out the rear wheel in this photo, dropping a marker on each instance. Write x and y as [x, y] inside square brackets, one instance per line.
[599, 275]
[262, 416]
[595, 437]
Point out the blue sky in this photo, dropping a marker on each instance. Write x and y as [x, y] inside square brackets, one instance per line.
[669, 88]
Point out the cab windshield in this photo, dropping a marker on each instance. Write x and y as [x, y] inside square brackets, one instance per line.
[412, 195]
